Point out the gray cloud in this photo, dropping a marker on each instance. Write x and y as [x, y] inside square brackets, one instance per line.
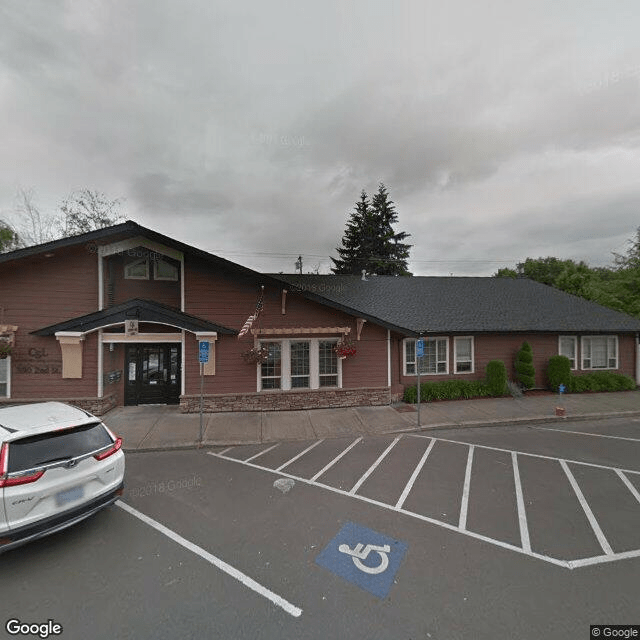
[253, 127]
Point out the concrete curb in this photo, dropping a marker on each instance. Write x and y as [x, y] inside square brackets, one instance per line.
[523, 421]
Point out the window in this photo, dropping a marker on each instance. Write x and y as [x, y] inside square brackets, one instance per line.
[5, 369]
[300, 364]
[271, 370]
[600, 352]
[328, 361]
[463, 354]
[138, 270]
[434, 361]
[165, 270]
[568, 346]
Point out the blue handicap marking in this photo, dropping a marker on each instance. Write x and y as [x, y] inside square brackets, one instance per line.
[365, 557]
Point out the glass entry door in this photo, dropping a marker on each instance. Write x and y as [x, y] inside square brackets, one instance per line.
[153, 374]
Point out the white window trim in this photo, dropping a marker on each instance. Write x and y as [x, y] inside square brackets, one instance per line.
[455, 355]
[426, 339]
[135, 263]
[8, 361]
[607, 368]
[285, 364]
[575, 349]
[155, 271]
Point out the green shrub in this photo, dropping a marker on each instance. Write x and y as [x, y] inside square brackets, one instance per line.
[525, 372]
[559, 372]
[601, 381]
[446, 390]
[496, 377]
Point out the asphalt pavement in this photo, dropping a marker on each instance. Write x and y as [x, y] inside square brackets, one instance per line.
[162, 427]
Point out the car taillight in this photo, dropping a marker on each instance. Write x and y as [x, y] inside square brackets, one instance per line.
[110, 451]
[16, 478]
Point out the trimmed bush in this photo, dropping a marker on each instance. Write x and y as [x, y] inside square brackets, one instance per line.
[446, 390]
[559, 372]
[496, 377]
[525, 373]
[601, 381]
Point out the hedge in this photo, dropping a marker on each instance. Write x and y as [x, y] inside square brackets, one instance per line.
[601, 381]
[446, 390]
[559, 372]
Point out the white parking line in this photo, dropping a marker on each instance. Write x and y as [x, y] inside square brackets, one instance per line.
[525, 549]
[587, 433]
[221, 564]
[525, 453]
[372, 468]
[414, 475]
[606, 547]
[286, 464]
[522, 514]
[225, 450]
[628, 484]
[261, 452]
[327, 467]
[462, 524]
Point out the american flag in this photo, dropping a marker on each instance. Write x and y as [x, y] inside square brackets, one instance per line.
[251, 319]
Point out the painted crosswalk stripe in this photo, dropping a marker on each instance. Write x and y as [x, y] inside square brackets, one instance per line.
[257, 455]
[414, 475]
[373, 467]
[286, 464]
[606, 547]
[465, 491]
[628, 484]
[336, 459]
[217, 562]
[522, 514]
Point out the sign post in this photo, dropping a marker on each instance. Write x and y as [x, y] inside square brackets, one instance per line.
[203, 358]
[419, 354]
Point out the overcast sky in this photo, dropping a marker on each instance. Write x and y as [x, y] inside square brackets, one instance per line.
[502, 128]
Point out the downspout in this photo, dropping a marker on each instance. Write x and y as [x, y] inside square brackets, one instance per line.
[389, 358]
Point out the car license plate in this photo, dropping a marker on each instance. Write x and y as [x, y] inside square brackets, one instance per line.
[64, 497]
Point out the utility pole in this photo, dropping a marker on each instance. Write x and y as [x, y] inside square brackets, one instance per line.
[299, 264]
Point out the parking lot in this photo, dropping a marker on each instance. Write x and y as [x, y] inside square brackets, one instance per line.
[532, 531]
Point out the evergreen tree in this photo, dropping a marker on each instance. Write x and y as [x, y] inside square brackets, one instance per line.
[525, 371]
[355, 242]
[369, 242]
[390, 253]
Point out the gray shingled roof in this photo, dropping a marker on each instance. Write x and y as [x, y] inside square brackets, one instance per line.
[463, 305]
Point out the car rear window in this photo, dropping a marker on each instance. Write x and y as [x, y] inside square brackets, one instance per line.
[34, 451]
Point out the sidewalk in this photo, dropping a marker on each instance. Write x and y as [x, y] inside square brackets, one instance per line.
[158, 427]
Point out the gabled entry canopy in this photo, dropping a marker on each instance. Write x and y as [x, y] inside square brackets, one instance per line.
[136, 309]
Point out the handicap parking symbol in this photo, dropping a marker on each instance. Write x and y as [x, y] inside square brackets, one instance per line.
[365, 557]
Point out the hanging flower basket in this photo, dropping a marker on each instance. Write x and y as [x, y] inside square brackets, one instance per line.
[5, 350]
[256, 355]
[345, 348]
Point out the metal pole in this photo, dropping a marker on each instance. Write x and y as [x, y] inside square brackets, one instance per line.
[201, 399]
[418, 363]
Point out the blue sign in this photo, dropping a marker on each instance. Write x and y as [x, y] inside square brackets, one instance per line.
[419, 348]
[365, 557]
[203, 352]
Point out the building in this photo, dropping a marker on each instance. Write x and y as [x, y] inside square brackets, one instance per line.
[115, 317]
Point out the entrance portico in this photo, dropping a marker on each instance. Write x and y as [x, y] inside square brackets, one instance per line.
[141, 347]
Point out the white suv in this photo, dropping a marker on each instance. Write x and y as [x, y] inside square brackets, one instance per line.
[58, 465]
